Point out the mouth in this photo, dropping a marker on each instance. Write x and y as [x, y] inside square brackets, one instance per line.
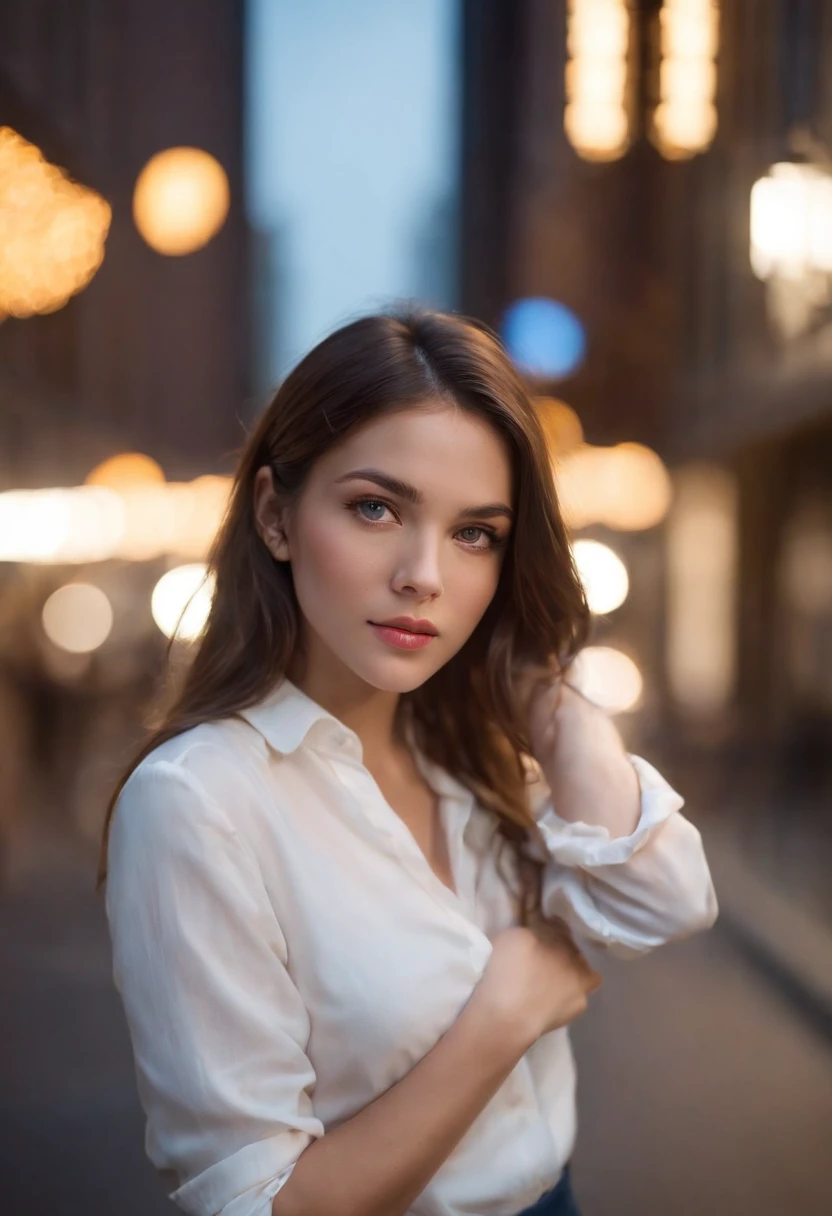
[418, 628]
[403, 639]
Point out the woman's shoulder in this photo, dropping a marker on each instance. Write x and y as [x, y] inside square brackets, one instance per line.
[211, 746]
[212, 771]
[189, 819]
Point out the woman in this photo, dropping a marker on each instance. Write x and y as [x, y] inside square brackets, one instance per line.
[346, 916]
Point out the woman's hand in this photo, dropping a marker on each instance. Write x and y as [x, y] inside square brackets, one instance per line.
[580, 751]
[535, 981]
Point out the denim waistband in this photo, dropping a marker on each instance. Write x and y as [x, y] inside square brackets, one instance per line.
[560, 1201]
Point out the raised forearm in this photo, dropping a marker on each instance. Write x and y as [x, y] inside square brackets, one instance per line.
[584, 761]
[603, 791]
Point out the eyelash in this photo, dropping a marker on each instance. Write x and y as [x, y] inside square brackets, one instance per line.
[495, 540]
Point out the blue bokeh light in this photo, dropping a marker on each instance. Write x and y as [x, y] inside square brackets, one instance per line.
[543, 337]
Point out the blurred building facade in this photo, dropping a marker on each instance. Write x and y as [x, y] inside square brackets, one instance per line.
[153, 354]
[726, 374]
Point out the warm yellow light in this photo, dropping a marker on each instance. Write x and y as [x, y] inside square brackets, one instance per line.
[685, 119]
[690, 31]
[626, 487]
[685, 131]
[603, 575]
[561, 425]
[77, 618]
[636, 488]
[597, 78]
[83, 524]
[139, 521]
[126, 470]
[181, 200]
[198, 508]
[52, 231]
[598, 133]
[685, 81]
[179, 518]
[181, 601]
[578, 478]
[597, 83]
[702, 554]
[609, 678]
[791, 222]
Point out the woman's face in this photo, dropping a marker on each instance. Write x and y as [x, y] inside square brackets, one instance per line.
[363, 552]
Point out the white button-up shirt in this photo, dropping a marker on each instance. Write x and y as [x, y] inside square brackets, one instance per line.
[285, 953]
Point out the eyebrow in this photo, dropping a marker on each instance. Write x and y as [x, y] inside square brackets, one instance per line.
[410, 494]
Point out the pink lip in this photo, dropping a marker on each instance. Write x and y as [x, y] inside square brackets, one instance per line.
[402, 638]
[409, 624]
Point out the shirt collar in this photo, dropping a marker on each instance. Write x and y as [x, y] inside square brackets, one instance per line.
[286, 716]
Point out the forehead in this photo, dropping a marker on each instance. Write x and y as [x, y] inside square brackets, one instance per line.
[440, 448]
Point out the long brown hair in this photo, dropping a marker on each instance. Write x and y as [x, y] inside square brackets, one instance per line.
[465, 717]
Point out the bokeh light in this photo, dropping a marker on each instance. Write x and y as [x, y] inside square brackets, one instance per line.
[597, 114]
[181, 601]
[609, 678]
[791, 221]
[77, 618]
[181, 200]
[52, 231]
[543, 337]
[626, 487]
[685, 120]
[636, 488]
[126, 470]
[561, 426]
[702, 539]
[603, 574]
[82, 524]
[140, 520]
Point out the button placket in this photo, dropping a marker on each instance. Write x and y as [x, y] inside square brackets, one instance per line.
[364, 791]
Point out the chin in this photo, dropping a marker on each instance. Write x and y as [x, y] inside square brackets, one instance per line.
[396, 675]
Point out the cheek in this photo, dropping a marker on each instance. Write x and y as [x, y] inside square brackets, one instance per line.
[333, 564]
[470, 588]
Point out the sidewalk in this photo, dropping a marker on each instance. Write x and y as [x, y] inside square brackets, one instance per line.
[701, 1090]
[791, 945]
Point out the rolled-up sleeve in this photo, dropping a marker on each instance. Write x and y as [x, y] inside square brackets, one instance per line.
[630, 893]
[217, 1025]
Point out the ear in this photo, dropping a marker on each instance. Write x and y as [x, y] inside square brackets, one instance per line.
[270, 516]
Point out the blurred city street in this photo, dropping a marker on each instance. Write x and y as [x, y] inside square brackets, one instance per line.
[701, 1089]
[635, 197]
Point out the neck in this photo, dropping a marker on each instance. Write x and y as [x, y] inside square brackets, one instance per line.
[369, 712]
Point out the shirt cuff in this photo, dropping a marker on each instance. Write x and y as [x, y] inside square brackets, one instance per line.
[237, 1185]
[258, 1200]
[586, 845]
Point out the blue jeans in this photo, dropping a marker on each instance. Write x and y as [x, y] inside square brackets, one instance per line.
[560, 1201]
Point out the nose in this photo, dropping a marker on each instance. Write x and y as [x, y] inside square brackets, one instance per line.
[419, 570]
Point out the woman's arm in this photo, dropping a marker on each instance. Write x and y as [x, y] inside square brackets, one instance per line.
[625, 869]
[377, 1163]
